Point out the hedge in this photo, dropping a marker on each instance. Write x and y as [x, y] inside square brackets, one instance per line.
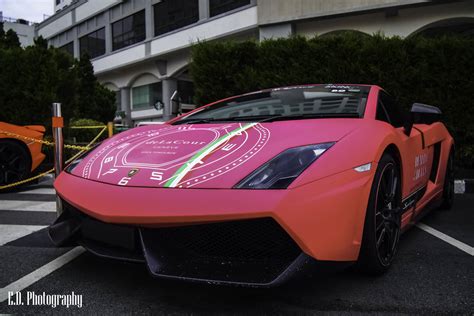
[436, 71]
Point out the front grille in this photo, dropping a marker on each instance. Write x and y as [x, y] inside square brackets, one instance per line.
[255, 251]
[250, 251]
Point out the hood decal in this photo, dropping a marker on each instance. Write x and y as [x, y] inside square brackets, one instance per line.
[175, 156]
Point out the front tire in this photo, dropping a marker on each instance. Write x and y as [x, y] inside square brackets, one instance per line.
[383, 218]
[15, 162]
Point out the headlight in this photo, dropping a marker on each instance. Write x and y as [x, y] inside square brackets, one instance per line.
[70, 167]
[279, 172]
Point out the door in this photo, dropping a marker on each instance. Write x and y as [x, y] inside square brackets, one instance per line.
[417, 158]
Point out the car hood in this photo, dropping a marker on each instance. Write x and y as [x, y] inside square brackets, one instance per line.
[201, 155]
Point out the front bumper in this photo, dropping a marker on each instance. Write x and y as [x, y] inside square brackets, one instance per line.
[250, 237]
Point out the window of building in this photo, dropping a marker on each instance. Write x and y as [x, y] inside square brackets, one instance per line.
[93, 43]
[174, 14]
[129, 30]
[217, 7]
[145, 97]
[68, 48]
[118, 100]
[186, 91]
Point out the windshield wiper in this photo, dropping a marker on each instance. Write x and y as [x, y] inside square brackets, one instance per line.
[266, 118]
[194, 121]
[224, 119]
[309, 116]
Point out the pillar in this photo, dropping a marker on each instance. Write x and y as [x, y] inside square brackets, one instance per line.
[125, 99]
[170, 85]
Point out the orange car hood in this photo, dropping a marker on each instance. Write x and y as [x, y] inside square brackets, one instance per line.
[202, 155]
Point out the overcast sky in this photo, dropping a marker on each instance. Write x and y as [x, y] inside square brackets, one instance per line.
[31, 10]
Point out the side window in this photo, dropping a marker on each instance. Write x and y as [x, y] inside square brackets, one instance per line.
[392, 111]
[381, 113]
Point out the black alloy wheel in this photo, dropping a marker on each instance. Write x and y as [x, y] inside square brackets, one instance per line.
[383, 218]
[14, 162]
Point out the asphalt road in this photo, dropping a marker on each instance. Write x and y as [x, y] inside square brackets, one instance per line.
[429, 275]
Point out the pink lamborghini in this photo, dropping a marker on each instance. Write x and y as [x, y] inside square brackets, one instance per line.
[254, 188]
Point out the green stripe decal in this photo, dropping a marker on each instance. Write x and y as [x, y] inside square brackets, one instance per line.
[199, 156]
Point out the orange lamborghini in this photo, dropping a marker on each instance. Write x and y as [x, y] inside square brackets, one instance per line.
[19, 154]
[252, 189]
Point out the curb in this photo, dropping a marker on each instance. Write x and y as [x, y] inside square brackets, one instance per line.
[464, 186]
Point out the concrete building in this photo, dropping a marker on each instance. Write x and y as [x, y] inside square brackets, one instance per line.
[61, 4]
[24, 29]
[141, 48]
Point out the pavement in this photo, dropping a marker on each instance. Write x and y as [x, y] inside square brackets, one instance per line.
[433, 273]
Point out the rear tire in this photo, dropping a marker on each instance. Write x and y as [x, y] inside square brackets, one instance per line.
[15, 162]
[382, 220]
[448, 187]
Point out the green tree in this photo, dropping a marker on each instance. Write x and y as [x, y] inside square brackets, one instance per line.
[11, 39]
[435, 71]
[33, 78]
[94, 101]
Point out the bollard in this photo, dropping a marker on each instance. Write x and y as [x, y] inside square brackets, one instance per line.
[58, 124]
[110, 128]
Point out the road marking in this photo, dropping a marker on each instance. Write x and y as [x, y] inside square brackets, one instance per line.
[27, 206]
[12, 232]
[40, 273]
[450, 240]
[39, 191]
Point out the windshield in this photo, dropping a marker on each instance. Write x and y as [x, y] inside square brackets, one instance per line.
[287, 103]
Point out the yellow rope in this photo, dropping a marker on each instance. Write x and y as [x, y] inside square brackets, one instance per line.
[48, 143]
[81, 148]
[84, 127]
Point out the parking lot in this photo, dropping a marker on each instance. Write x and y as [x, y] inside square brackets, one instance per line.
[432, 274]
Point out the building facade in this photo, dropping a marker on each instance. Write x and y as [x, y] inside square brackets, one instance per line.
[24, 29]
[141, 48]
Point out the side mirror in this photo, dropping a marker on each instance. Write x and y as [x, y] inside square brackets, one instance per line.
[421, 114]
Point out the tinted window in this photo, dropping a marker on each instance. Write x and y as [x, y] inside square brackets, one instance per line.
[382, 113]
[327, 100]
[186, 91]
[93, 43]
[174, 14]
[393, 111]
[129, 31]
[217, 7]
[146, 96]
[69, 48]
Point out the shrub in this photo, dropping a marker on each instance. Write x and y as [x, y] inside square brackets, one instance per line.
[435, 71]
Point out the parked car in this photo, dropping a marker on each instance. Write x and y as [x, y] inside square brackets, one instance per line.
[254, 188]
[19, 154]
